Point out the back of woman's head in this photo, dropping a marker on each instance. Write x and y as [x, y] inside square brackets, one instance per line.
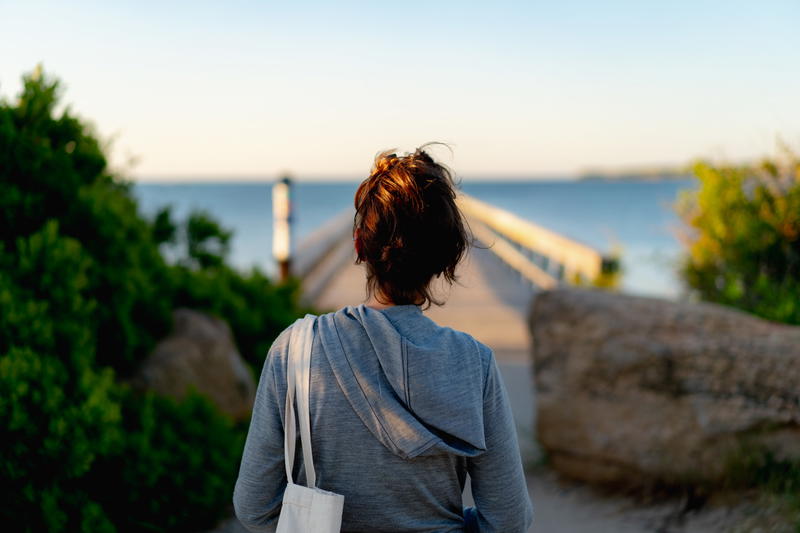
[408, 228]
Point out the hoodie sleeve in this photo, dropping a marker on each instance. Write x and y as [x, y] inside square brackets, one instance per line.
[259, 488]
[498, 481]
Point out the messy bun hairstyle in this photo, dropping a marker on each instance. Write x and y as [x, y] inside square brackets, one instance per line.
[408, 228]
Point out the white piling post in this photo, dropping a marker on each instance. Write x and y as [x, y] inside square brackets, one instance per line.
[282, 226]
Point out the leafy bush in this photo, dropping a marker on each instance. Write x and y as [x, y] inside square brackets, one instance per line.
[744, 236]
[256, 309]
[743, 241]
[53, 431]
[53, 169]
[754, 465]
[177, 464]
[85, 293]
[207, 243]
[57, 412]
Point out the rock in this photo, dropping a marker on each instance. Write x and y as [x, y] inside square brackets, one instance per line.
[200, 352]
[638, 391]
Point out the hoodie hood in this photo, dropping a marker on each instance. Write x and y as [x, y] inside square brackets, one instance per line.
[416, 386]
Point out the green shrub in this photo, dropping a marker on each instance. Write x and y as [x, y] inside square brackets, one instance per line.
[256, 309]
[207, 243]
[743, 241]
[85, 293]
[53, 168]
[176, 468]
[52, 433]
[57, 412]
[754, 466]
[743, 237]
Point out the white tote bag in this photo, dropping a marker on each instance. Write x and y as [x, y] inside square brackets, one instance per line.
[305, 509]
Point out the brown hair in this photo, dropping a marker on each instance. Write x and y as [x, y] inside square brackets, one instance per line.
[408, 227]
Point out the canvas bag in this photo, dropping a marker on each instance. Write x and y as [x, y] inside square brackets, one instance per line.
[305, 509]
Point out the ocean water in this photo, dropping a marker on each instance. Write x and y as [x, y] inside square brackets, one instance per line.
[635, 217]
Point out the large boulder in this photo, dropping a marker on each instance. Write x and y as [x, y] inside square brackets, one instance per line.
[639, 391]
[200, 352]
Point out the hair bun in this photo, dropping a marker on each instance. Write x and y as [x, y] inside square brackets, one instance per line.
[409, 227]
[383, 164]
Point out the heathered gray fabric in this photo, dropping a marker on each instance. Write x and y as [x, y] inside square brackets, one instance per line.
[401, 410]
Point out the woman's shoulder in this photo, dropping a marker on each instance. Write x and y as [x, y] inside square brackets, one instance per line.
[412, 324]
[449, 343]
[480, 350]
[280, 346]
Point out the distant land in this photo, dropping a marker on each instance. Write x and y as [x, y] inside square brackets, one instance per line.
[634, 174]
[645, 174]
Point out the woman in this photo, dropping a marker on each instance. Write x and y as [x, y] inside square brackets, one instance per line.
[401, 409]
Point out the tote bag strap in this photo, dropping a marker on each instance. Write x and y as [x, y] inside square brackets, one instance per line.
[298, 377]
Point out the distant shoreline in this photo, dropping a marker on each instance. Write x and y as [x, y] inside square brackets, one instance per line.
[591, 176]
[654, 176]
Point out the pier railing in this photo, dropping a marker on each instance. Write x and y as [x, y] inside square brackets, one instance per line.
[322, 254]
[540, 255]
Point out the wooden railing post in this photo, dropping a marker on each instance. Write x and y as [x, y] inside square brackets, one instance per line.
[282, 226]
[543, 256]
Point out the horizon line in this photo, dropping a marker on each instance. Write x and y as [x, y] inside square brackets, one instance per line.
[266, 178]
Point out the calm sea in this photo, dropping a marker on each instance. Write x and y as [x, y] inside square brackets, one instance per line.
[634, 216]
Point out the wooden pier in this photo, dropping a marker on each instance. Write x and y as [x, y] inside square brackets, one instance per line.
[497, 282]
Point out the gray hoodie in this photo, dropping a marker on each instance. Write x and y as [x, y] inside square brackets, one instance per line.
[401, 411]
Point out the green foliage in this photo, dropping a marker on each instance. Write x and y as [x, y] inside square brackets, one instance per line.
[46, 277]
[52, 433]
[175, 469]
[129, 275]
[764, 469]
[54, 169]
[207, 243]
[57, 411]
[609, 277]
[85, 293]
[164, 229]
[744, 237]
[754, 466]
[256, 309]
[743, 243]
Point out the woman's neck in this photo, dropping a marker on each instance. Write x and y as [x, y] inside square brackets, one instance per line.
[374, 303]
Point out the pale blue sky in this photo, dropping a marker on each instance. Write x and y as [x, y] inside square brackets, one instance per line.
[201, 89]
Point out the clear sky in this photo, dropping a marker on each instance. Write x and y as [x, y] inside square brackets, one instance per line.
[536, 88]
